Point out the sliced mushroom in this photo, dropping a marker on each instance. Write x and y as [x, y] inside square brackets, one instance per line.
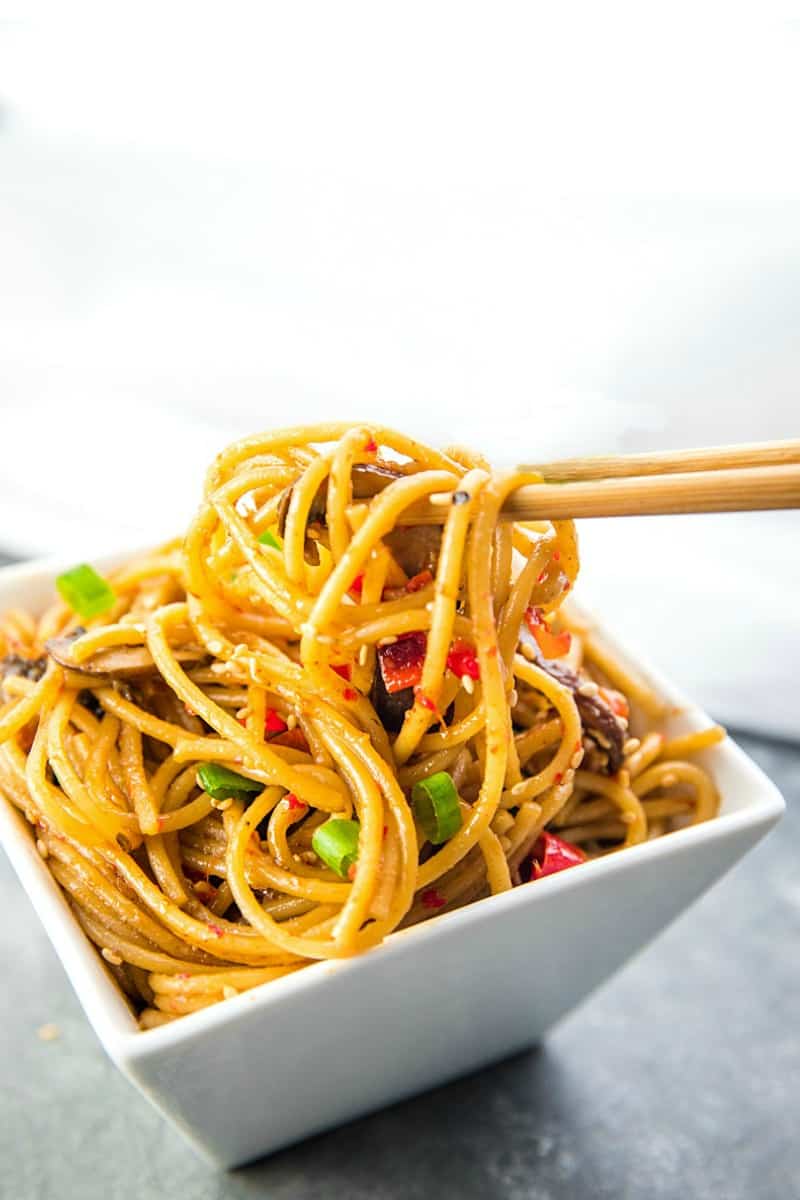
[368, 480]
[119, 662]
[600, 723]
[28, 668]
[415, 547]
[391, 707]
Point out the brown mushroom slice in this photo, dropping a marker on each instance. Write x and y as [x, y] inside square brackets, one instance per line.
[368, 480]
[599, 721]
[415, 548]
[118, 662]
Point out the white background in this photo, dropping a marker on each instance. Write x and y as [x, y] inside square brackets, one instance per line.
[537, 234]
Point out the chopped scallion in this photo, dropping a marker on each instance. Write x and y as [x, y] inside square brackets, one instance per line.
[86, 592]
[222, 783]
[436, 806]
[336, 843]
[268, 538]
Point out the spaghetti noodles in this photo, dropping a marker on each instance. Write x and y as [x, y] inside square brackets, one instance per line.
[313, 722]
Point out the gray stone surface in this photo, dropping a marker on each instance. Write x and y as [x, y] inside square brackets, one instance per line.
[678, 1079]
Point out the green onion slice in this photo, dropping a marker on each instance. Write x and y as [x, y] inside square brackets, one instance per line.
[268, 538]
[86, 592]
[221, 783]
[436, 806]
[336, 843]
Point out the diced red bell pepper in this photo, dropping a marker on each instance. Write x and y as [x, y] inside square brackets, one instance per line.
[274, 722]
[417, 582]
[344, 670]
[293, 739]
[462, 660]
[552, 645]
[357, 586]
[552, 854]
[401, 662]
[433, 899]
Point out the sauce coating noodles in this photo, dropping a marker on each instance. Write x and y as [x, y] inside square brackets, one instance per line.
[337, 658]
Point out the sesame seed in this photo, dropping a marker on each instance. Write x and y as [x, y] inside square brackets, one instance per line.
[291, 721]
[229, 992]
[468, 684]
[48, 1032]
[576, 759]
[362, 655]
[222, 805]
[387, 641]
[631, 746]
[440, 498]
[518, 788]
[111, 956]
[589, 688]
[513, 699]
[42, 848]
[528, 651]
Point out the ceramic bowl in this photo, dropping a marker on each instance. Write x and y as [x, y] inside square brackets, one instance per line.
[339, 1039]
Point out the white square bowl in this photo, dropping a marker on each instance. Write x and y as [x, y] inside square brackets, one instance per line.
[338, 1039]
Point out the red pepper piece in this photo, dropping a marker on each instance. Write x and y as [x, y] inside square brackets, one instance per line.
[417, 582]
[552, 854]
[615, 701]
[274, 722]
[294, 739]
[344, 670]
[357, 586]
[552, 645]
[401, 662]
[371, 446]
[292, 801]
[433, 899]
[350, 694]
[462, 660]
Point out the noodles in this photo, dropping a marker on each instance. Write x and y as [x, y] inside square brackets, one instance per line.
[223, 765]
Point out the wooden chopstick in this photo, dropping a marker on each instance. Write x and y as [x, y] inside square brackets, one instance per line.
[709, 458]
[738, 489]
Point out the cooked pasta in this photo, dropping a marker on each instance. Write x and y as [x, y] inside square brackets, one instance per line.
[314, 721]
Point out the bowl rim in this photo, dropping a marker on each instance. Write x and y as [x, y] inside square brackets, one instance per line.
[103, 1001]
